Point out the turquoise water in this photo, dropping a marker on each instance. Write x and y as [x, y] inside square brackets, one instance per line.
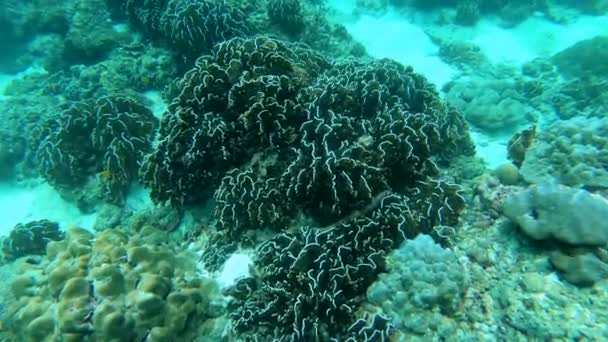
[299, 170]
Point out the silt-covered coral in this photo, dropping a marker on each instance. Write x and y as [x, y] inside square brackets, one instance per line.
[553, 211]
[424, 282]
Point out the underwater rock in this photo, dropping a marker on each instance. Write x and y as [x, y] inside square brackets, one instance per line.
[553, 211]
[581, 269]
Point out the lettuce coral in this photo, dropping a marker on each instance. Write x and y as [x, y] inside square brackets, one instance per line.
[572, 151]
[107, 136]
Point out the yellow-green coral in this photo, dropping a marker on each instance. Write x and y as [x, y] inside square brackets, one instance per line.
[111, 287]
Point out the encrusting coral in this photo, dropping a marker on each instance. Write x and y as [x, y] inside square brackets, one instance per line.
[113, 287]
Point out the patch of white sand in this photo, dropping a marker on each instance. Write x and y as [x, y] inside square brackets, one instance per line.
[5, 80]
[23, 204]
[535, 37]
[392, 36]
[491, 149]
[158, 104]
[235, 268]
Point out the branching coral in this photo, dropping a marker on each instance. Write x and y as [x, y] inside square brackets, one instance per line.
[107, 136]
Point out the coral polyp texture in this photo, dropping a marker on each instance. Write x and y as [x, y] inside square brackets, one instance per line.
[424, 283]
[105, 137]
[287, 14]
[112, 287]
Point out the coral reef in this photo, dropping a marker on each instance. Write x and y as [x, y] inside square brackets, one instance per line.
[425, 284]
[233, 104]
[302, 21]
[468, 12]
[284, 137]
[29, 239]
[103, 138]
[492, 104]
[73, 33]
[552, 211]
[287, 14]
[188, 26]
[571, 151]
[113, 287]
[586, 53]
[583, 269]
[316, 277]
[216, 250]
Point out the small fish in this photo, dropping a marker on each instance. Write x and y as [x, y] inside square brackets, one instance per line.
[105, 174]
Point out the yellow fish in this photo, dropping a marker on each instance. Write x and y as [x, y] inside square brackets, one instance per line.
[105, 173]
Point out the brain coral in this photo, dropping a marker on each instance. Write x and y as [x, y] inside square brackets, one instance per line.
[572, 151]
[111, 288]
[108, 135]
